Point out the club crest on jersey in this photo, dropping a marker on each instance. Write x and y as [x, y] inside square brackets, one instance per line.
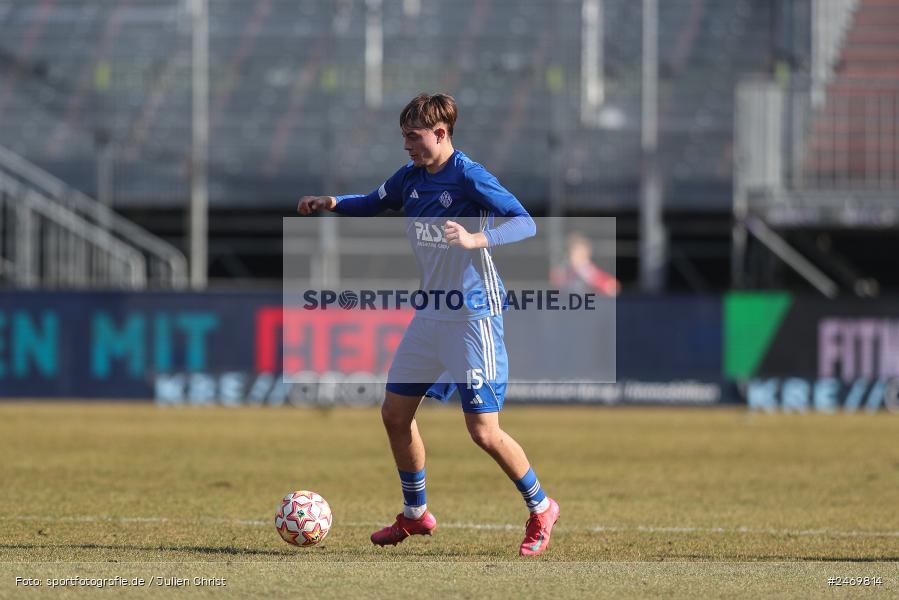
[446, 199]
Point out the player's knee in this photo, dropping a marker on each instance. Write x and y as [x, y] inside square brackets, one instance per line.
[486, 437]
[395, 420]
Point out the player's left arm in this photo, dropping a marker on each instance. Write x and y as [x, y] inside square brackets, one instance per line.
[487, 191]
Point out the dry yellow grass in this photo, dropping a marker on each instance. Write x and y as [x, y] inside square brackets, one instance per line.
[655, 502]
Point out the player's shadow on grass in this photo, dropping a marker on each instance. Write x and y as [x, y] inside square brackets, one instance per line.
[224, 550]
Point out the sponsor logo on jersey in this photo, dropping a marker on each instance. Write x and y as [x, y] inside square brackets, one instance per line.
[382, 191]
[446, 199]
[430, 235]
[476, 399]
[414, 193]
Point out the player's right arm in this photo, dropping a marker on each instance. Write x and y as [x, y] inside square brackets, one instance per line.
[310, 204]
[388, 195]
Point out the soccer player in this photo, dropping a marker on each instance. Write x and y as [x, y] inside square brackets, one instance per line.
[449, 203]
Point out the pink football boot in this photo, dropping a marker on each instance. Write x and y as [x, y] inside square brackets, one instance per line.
[538, 529]
[403, 528]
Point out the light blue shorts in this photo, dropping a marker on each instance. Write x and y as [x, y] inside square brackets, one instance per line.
[436, 358]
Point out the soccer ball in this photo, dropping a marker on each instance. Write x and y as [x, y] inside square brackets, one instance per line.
[303, 518]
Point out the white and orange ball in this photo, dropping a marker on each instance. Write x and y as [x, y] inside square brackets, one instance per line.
[303, 518]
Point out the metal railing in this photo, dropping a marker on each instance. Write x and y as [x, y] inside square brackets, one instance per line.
[44, 244]
[799, 164]
[850, 142]
[78, 235]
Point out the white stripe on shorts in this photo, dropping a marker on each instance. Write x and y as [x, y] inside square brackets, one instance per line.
[492, 350]
[483, 334]
[488, 348]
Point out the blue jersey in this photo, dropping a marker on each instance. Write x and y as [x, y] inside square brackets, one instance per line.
[465, 192]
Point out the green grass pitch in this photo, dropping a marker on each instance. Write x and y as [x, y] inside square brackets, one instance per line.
[655, 503]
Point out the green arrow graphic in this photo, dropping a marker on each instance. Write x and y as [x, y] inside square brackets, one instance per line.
[750, 321]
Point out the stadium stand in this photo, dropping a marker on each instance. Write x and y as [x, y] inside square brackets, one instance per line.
[817, 179]
[854, 139]
[287, 109]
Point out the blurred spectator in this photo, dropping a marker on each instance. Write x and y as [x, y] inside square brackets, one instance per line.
[579, 273]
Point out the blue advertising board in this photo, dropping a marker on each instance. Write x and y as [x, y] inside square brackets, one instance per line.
[215, 346]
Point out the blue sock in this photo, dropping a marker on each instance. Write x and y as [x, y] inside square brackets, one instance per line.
[413, 483]
[531, 491]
